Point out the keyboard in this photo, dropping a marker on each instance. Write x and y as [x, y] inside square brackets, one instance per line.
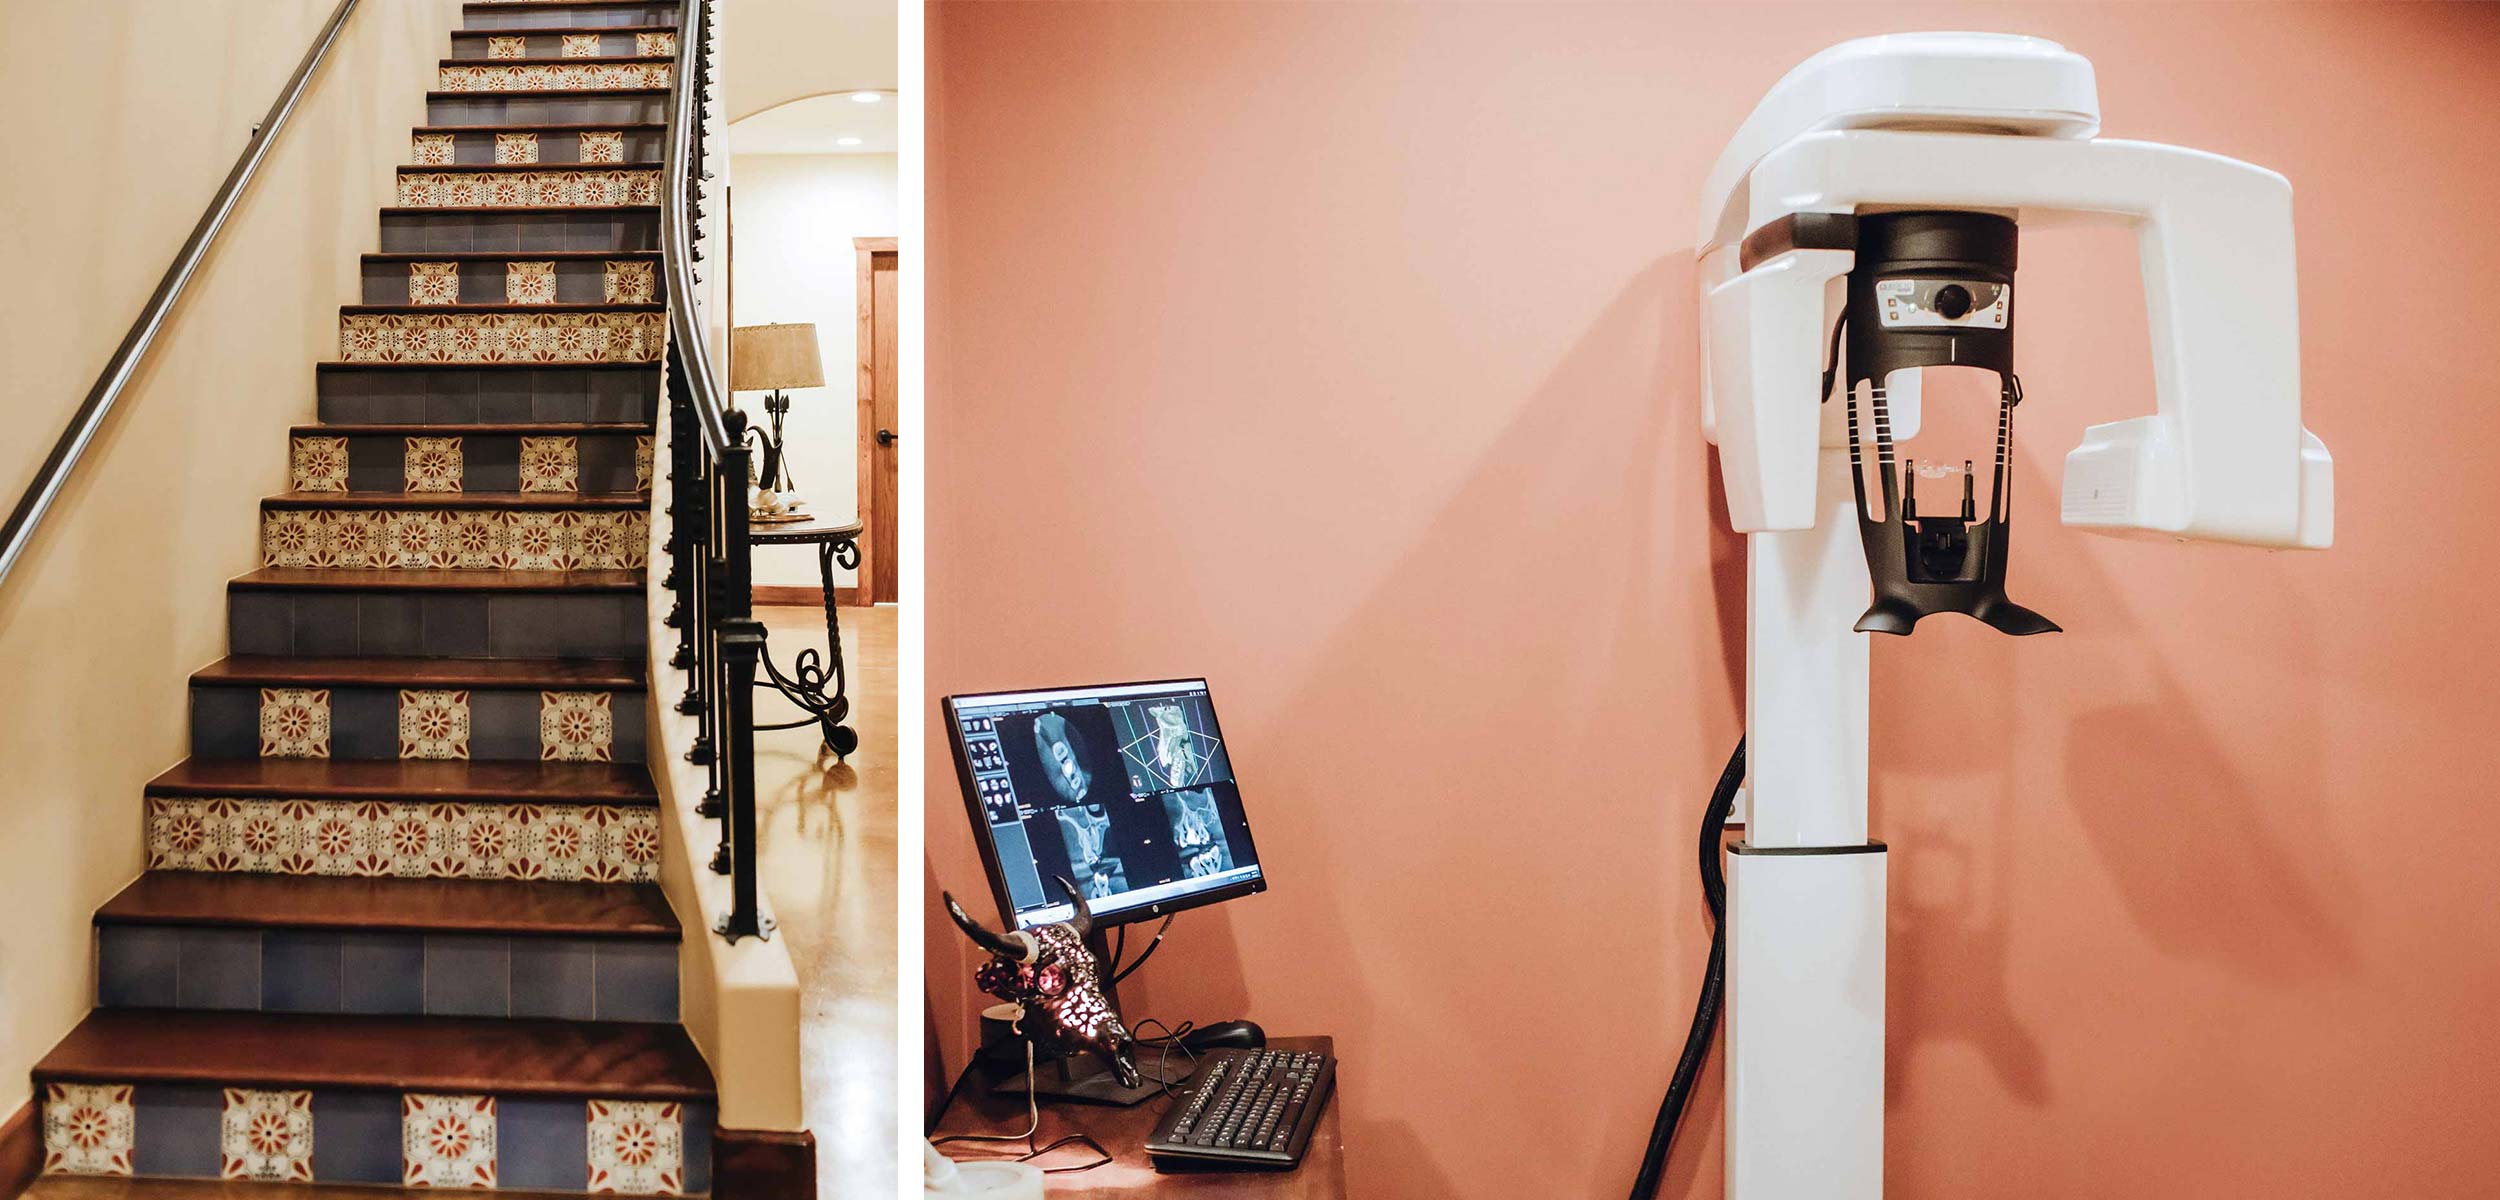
[1247, 1108]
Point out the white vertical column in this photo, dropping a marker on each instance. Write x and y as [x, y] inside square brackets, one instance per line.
[1806, 674]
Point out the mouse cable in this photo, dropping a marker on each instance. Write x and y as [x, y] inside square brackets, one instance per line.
[1713, 982]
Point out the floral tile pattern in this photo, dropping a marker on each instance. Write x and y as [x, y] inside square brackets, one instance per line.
[581, 45]
[88, 1128]
[447, 1141]
[501, 337]
[432, 464]
[631, 283]
[431, 149]
[516, 147]
[433, 724]
[551, 464]
[652, 45]
[642, 462]
[603, 147]
[507, 47]
[295, 722]
[553, 77]
[528, 189]
[467, 539]
[434, 283]
[405, 839]
[266, 1136]
[637, 1147]
[576, 726]
[318, 464]
[529, 283]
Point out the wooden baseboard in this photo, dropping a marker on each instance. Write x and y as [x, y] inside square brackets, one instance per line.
[847, 597]
[763, 1164]
[21, 1149]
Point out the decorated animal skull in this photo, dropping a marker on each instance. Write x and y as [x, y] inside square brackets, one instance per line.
[1050, 972]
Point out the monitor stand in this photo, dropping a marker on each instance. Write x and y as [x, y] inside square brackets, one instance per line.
[1084, 1079]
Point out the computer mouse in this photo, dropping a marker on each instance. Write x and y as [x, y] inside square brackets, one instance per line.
[1226, 1035]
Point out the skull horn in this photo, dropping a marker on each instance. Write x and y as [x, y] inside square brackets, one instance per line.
[1012, 949]
[1083, 922]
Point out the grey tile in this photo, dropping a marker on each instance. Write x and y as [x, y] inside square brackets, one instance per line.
[136, 965]
[699, 1122]
[325, 624]
[539, 625]
[178, 1129]
[542, 1143]
[378, 463]
[468, 976]
[493, 464]
[554, 977]
[364, 723]
[456, 625]
[356, 1137]
[382, 973]
[301, 971]
[629, 725]
[390, 623]
[260, 623]
[225, 722]
[220, 969]
[503, 724]
[637, 980]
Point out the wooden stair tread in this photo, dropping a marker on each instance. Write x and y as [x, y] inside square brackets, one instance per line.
[122, 1187]
[523, 168]
[275, 671]
[545, 93]
[359, 579]
[410, 256]
[455, 1055]
[636, 500]
[347, 309]
[424, 365]
[475, 209]
[559, 61]
[470, 428]
[624, 784]
[552, 30]
[546, 126]
[509, 906]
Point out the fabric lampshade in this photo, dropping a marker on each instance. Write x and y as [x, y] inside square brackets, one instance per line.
[765, 358]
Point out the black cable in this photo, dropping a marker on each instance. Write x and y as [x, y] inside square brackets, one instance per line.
[1713, 983]
[1119, 974]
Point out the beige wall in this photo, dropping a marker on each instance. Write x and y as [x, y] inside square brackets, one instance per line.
[133, 112]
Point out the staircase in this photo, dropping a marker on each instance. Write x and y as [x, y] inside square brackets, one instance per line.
[400, 923]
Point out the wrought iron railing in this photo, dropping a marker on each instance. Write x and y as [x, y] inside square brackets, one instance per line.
[710, 557]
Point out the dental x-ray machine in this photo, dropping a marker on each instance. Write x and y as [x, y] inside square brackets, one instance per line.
[1861, 227]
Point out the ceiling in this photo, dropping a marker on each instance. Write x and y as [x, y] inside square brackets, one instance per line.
[819, 125]
[777, 51]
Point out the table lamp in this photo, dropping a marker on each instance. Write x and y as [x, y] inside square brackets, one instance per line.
[775, 358]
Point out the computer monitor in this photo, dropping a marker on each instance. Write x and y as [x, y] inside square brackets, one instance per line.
[1125, 789]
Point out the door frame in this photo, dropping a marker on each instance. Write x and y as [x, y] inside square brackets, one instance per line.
[867, 249]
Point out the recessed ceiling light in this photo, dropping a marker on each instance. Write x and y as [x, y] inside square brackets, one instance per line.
[867, 97]
[846, 141]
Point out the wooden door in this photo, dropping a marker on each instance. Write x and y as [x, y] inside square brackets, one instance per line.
[879, 553]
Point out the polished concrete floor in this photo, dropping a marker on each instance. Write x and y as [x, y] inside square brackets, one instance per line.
[827, 833]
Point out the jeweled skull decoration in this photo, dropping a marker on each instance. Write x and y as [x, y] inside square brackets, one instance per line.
[1050, 972]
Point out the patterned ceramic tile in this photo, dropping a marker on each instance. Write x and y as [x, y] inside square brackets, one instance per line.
[553, 77]
[631, 283]
[551, 464]
[433, 724]
[603, 147]
[318, 464]
[447, 1141]
[529, 282]
[431, 149]
[507, 47]
[613, 537]
[529, 189]
[576, 726]
[88, 1128]
[642, 462]
[637, 1147]
[653, 45]
[434, 283]
[432, 464]
[294, 722]
[266, 1136]
[426, 539]
[501, 337]
[516, 147]
[581, 45]
[405, 839]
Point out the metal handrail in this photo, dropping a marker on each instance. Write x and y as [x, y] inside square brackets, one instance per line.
[84, 424]
[677, 239]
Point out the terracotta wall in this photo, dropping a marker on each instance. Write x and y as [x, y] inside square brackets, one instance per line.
[125, 116]
[1346, 355]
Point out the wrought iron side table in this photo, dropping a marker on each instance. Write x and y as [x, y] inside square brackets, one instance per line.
[805, 684]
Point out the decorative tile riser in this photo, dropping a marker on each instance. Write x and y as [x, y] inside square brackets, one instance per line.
[593, 462]
[379, 624]
[397, 974]
[556, 147]
[602, 16]
[468, 47]
[454, 540]
[513, 281]
[451, 395]
[355, 1136]
[552, 77]
[520, 231]
[547, 108]
[405, 839]
[363, 723]
[529, 189]
[464, 337]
